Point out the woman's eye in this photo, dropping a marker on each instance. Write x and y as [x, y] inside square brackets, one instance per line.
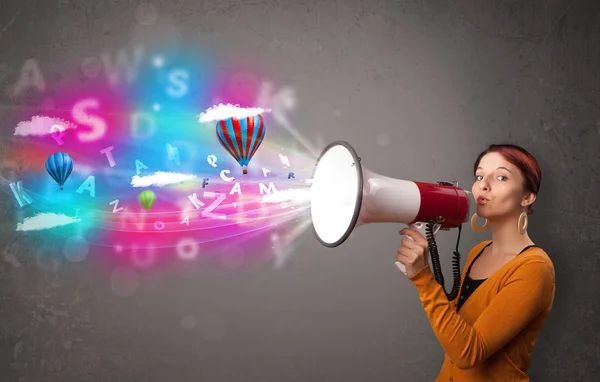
[503, 177]
[478, 177]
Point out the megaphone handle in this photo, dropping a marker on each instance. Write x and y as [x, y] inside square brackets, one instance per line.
[421, 227]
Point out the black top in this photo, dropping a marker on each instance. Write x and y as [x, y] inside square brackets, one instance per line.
[469, 284]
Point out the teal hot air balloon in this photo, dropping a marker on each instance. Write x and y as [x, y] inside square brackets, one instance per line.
[241, 137]
[59, 166]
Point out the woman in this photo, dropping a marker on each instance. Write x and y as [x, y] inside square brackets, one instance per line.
[507, 285]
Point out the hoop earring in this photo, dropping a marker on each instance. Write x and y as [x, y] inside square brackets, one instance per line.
[478, 228]
[522, 223]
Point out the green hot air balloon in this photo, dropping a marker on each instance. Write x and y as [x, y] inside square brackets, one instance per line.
[147, 198]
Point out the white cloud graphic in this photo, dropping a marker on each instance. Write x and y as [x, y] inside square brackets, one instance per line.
[45, 221]
[41, 125]
[160, 179]
[224, 111]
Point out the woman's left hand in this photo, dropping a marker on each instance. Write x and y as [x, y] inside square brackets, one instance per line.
[413, 254]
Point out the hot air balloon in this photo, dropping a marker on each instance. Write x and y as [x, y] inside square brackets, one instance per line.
[146, 199]
[59, 166]
[241, 137]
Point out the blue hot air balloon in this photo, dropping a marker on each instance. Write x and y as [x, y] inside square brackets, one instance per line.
[241, 137]
[59, 166]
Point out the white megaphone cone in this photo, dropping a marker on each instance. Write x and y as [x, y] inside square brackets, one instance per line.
[345, 195]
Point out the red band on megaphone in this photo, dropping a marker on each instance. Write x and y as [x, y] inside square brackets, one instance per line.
[447, 202]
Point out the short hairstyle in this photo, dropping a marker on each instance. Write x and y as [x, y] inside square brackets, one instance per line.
[523, 160]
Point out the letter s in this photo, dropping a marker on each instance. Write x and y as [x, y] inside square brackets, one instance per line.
[81, 116]
[179, 79]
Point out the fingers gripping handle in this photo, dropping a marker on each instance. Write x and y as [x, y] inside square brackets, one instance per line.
[422, 228]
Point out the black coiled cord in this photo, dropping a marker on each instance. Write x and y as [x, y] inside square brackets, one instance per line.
[435, 261]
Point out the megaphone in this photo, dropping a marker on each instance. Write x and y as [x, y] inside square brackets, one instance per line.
[345, 195]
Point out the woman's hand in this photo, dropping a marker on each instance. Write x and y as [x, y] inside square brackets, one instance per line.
[413, 253]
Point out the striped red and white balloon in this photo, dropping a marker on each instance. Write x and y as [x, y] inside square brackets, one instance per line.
[241, 137]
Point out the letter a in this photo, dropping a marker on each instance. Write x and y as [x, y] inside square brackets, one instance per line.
[31, 76]
[89, 185]
[237, 189]
[139, 166]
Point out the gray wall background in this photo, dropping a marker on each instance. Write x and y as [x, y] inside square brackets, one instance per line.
[419, 89]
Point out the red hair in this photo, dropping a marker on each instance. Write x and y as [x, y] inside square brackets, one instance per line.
[523, 160]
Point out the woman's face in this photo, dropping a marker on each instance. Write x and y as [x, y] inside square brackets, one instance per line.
[498, 187]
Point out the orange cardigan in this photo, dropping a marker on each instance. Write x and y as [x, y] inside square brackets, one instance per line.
[493, 335]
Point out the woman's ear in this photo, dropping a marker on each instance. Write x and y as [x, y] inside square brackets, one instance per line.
[528, 199]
